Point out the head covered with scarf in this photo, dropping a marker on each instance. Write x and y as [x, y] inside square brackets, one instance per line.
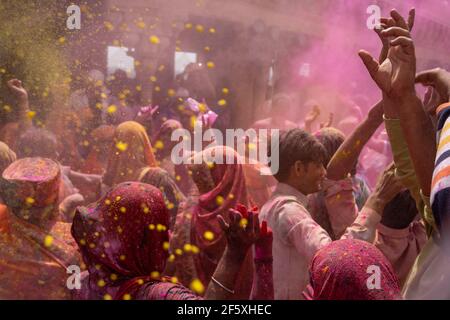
[121, 239]
[164, 136]
[130, 156]
[219, 177]
[351, 270]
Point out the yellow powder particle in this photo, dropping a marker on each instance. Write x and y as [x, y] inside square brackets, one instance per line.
[48, 240]
[208, 235]
[154, 40]
[197, 286]
[122, 146]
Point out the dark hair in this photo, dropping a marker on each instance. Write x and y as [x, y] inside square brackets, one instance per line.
[400, 212]
[298, 145]
[331, 139]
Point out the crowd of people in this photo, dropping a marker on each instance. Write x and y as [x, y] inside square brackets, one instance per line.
[97, 189]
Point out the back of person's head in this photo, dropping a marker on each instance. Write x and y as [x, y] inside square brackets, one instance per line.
[37, 142]
[331, 139]
[400, 211]
[298, 145]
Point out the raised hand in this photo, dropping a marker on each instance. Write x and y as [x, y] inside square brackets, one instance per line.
[312, 115]
[329, 123]
[395, 76]
[240, 234]
[439, 80]
[385, 24]
[431, 101]
[17, 89]
[388, 186]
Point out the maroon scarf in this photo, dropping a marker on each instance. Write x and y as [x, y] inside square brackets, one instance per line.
[121, 239]
[229, 191]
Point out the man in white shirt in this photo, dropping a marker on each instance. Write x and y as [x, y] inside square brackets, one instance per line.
[297, 237]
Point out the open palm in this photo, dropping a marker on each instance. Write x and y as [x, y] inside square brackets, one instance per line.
[395, 76]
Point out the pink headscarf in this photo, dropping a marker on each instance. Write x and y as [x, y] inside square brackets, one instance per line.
[222, 187]
[229, 190]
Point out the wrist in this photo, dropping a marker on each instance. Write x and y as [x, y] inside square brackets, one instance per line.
[403, 97]
[376, 204]
[389, 108]
[236, 255]
[22, 99]
[263, 252]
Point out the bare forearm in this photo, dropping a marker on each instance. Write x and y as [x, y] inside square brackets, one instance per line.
[226, 274]
[420, 137]
[24, 118]
[263, 280]
[348, 153]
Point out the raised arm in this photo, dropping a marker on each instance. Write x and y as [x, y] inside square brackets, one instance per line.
[312, 116]
[395, 77]
[240, 237]
[263, 276]
[21, 96]
[347, 155]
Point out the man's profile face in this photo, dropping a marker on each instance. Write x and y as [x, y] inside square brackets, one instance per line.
[314, 174]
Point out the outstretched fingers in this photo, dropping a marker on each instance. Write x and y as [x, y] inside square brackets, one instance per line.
[399, 21]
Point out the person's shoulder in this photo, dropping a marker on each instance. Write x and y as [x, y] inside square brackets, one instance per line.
[284, 206]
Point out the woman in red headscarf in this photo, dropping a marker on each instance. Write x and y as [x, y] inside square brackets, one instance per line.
[352, 270]
[221, 186]
[131, 158]
[131, 155]
[123, 239]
